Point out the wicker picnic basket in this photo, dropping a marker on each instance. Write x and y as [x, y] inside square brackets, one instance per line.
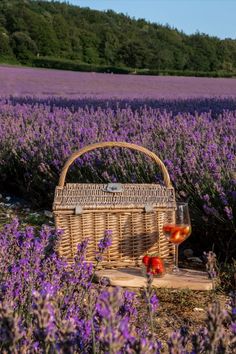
[135, 213]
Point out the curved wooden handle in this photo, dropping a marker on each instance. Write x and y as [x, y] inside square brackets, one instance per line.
[88, 148]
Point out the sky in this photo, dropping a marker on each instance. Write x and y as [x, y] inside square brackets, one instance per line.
[213, 17]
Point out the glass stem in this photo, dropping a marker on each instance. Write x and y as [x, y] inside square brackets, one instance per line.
[176, 256]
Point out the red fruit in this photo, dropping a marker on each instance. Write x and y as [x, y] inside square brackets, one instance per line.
[155, 262]
[156, 265]
[161, 268]
[146, 260]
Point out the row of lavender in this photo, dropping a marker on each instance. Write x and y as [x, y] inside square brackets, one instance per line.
[37, 136]
[23, 81]
[45, 307]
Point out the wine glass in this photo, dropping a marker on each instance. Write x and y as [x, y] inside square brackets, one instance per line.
[179, 231]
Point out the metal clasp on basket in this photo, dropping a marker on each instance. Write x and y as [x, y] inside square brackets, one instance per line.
[148, 208]
[78, 210]
[114, 188]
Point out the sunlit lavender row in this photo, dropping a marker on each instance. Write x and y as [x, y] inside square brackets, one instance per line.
[196, 141]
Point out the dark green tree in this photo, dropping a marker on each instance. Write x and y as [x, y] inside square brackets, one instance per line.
[62, 32]
[5, 48]
[132, 54]
[23, 46]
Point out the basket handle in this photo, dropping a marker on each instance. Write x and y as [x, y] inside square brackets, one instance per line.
[88, 148]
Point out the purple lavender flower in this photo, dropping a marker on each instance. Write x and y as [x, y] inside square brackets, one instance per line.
[82, 246]
[103, 245]
[106, 241]
[129, 305]
[154, 302]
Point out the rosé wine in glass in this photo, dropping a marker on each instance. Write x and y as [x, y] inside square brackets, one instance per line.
[179, 231]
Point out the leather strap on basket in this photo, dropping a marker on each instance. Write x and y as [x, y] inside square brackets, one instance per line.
[88, 148]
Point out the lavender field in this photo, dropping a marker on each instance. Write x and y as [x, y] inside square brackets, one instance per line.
[44, 82]
[45, 115]
[194, 136]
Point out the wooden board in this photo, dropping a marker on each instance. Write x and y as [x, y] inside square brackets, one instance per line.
[133, 278]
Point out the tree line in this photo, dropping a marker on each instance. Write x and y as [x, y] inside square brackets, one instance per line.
[42, 33]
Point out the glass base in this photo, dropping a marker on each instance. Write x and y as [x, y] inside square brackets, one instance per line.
[177, 271]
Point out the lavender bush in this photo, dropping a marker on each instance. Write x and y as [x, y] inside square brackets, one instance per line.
[48, 307]
[37, 136]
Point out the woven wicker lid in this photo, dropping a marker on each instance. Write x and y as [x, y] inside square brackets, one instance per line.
[97, 196]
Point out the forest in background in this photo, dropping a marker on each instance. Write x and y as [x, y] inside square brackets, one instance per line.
[63, 36]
